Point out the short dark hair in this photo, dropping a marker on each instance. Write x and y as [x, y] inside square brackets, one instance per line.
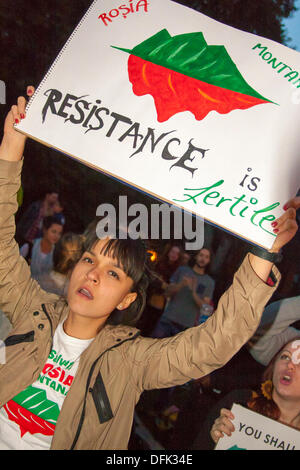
[192, 261]
[134, 259]
[50, 220]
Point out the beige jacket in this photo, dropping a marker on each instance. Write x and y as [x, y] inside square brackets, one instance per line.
[119, 364]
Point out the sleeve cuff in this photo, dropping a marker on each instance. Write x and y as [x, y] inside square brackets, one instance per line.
[254, 280]
[10, 169]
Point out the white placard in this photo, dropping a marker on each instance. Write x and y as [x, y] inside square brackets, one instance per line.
[254, 431]
[185, 108]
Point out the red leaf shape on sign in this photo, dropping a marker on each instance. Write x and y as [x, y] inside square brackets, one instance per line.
[27, 421]
[174, 92]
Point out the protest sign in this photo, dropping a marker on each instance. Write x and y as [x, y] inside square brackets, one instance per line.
[189, 110]
[254, 431]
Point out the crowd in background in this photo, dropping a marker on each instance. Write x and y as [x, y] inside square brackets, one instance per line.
[184, 294]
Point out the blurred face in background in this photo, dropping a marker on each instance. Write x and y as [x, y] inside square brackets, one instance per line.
[53, 233]
[202, 258]
[57, 208]
[185, 258]
[51, 198]
[174, 254]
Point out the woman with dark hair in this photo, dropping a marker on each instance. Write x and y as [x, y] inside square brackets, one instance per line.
[71, 379]
[40, 254]
[277, 397]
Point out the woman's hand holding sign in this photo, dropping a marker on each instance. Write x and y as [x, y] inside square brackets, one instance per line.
[222, 425]
[13, 142]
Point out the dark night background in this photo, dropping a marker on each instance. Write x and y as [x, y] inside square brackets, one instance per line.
[33, 33]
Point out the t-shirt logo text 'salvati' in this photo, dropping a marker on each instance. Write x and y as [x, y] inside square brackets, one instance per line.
[184, 73]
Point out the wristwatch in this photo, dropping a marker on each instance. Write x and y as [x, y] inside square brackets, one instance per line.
[265, 254]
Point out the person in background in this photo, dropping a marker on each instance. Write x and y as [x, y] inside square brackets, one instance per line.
[167, 264]
[40, 254]
[66, 253]
[185, 258]
[277, 397]
[30, 224]
[189, 290]
[57, 212]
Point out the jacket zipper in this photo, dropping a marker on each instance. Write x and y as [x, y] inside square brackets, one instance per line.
[22, 338]
[88, 383]
[101, 400]
[27, 337]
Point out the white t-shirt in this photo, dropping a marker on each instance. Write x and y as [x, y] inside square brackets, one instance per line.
[27, 422]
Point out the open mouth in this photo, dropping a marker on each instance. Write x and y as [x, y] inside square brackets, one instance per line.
[286, 379]
[85, 293]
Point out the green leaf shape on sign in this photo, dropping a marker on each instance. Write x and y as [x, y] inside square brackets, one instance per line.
[190, 55]
[235, 447]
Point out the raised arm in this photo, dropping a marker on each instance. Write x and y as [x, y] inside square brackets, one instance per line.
[13, 142]
[285, 227]
[18, 291]
[200, 350]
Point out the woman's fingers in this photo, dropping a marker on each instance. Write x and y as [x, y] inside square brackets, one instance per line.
[222, 425]
[216, 435]
[18, 110]
[228, 413]
[30, 90]
[294, 203]
[285, 227]
[15, 114]
[288, 214]
[21, 104]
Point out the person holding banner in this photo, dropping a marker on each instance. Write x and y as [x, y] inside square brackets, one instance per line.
[74, 371]
[277, 397]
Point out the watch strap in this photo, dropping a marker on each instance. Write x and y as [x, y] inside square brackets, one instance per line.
[265, 254]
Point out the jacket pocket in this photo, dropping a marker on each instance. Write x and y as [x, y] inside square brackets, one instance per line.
[101, 400]
[16, 339]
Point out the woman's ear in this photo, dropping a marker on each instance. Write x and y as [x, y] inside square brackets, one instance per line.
[127, 301]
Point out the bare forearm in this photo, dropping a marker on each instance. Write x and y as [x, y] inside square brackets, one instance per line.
[12, 149]
[261, 267]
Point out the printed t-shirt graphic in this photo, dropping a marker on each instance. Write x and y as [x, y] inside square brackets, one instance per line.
[33, 412]
[29, 419]
[184, 73]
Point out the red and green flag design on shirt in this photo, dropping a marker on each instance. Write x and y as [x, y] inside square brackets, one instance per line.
[33, 412]
[184, 73]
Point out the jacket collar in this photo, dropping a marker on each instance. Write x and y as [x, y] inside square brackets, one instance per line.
[107, 337]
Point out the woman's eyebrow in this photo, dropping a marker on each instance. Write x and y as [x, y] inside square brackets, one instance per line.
[118, 265]
[115, 262]
[90, 252]
[286, 350]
